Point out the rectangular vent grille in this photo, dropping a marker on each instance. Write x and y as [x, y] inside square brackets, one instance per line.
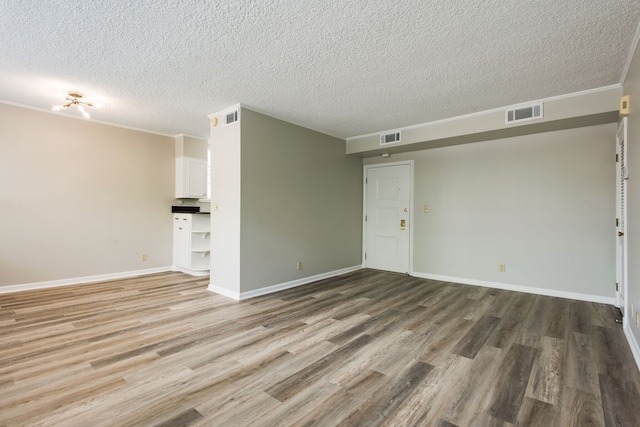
[231, 117]
[390, 138]
[518, 114]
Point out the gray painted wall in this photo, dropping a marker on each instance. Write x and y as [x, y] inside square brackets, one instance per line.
[81, 198]
[581, 109]
[542, 204]
[301, 201]
[632, 87]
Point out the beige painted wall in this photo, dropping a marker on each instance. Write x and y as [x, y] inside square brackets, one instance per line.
[632, 88]
[190, 146]
[81, 198]
[301, 201]
[542, 204]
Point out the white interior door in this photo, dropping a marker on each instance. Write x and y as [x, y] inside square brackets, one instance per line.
[621, 217]
[388, 194]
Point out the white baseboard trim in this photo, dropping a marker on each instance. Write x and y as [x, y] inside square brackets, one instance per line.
[80, 280]
[224, 292]
[281, 286]
[633, 344]
[190, 272]
[519, 288]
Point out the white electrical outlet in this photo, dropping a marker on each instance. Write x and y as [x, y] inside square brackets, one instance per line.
[299, 266]
[143, 257]
[502, 268]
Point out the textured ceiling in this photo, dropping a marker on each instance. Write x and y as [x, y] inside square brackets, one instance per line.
[343, 68]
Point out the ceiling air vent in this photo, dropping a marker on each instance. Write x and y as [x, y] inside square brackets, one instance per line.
[231, 117]
[522, 113]
[390, 138]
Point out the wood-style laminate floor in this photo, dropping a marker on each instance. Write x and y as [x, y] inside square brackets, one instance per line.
[364, 349]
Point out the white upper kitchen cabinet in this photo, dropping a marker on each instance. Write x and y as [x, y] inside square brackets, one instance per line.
[191, 178]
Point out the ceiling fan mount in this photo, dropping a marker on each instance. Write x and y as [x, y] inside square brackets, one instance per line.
[73, 94]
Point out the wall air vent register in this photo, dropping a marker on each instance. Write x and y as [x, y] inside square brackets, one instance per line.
[230, 118]
[522, 113]
[390, 138]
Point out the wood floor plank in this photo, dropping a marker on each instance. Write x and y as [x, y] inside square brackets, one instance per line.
[402, 351]
[290, 412]
[476, 311]
[364, 348]
[580, 408]
[472, 392]
[612, 354]
[379, 351]
[337, 406]
[620, 401]
[242, 382]
[326, 329]
[487, 420]
[512, 382]
[46, 400]
[428, 403]
[288, 387]
[536, 413]
[188, 417]
[545, 384]
[473, 341]
[558, 326]
[445, 423]
[510, 328]
[535, 322]
[387, 398]
[446, 337]
[580, 317]
[581, 369]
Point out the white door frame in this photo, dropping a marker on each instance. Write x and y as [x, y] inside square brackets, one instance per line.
[364, 208]
[622, 268]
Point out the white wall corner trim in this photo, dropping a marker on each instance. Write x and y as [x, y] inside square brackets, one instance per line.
[633, 344]
[281, 286]
[519, 288]
[80, 280]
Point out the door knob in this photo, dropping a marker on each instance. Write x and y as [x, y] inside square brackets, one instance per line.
[402, 224]
[620, 234]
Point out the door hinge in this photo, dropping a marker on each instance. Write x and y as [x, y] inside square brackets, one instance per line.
[616, 158]
[365, 218]
[365, 255]
[617, 222]
[617, 287]
[366, 180]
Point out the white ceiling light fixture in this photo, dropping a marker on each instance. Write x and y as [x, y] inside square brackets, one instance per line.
[73, 98]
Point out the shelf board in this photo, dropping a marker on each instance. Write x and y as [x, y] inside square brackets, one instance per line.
[205, 234]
